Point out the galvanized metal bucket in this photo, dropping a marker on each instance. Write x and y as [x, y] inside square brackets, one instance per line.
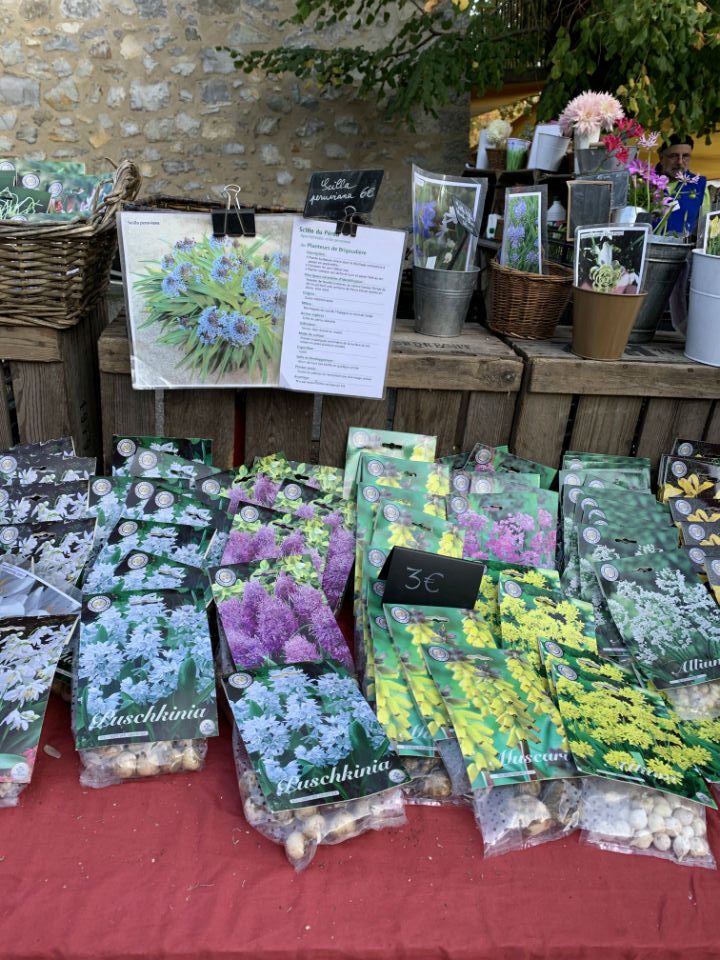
[703, 329]
[442, 299]
[665, 261]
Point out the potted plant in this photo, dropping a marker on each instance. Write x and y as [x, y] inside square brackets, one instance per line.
[587, 115]
[496, 138]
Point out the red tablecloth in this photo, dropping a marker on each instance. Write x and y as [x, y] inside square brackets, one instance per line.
[169, 868]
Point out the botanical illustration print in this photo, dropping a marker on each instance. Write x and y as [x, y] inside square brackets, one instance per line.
[144, 670]
[439, 241]
[311, 736]
[138, 570]
[40, 503]
[23, 594]
[58, 552]
[181, 544]
[521, 240]
[508, 728]
[610, 259]
[277, 614]
[390, 443]
[124, 449]
[205, 311]
[488, 601]
[712, 234]
[29, 652]
[625, 732]
[665, 615]
[157, 464]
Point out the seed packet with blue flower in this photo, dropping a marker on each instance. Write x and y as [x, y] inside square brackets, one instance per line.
[139, 570]
[177, 542]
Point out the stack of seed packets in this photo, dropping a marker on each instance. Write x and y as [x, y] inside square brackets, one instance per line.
[143, 673]
[47, 190]
[45, 540]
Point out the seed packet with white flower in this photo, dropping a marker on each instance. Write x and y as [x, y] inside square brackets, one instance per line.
[113, 572]
[25, 594]
[390, 443]
[508, 728]
[43, 503]
[431, 477]
[518, 526]
[621, 731]
[151, 500]
[159, 465]
[311, 736]
[182, 544]
[276, 612]
[45, 468]
[57, 552]
[665, 615]
[580, 460]
[488, 601]
[693, 510]
[62, 445]
[689, 478]
[144, 670]
[124, 449]
[29, 651]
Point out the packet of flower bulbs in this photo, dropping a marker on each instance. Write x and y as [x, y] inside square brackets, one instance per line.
[144, 686]
[517, 526]
[300, 831]
[581, 460]
[326, 479]
[43, 502]
[57, 552]
[487, 459]
[621, 731]
[124, 449]
[275, 612]
[65, 446]
[164, 503]
[45, 468]
[693, 510]
[303, 501]
[25, 594]
[181, 544]
[665, 616]
[488, 601]
[431, 477]
[689, 478]
[630, 818]
[441, 240]
[140, 570]
[159, 465]
[697, 449]
[697, 710]
[30, 648]
[390, 443]
[700, 534]
[464, 482]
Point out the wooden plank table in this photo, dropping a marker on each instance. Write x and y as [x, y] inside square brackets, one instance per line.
[637, 404]
[461, 388]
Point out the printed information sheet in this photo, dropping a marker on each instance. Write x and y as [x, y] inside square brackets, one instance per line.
[342, 293]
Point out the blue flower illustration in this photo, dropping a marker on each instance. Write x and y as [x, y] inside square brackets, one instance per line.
[185, 245]
[222, 269]
[257, 281]
[208, 328]
[173, 284]
[238, 329]
[426, 218]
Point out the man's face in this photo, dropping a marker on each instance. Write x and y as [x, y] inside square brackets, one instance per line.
[676, 158]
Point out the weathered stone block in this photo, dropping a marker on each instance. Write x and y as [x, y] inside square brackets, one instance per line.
[149, 96]
[19, 91]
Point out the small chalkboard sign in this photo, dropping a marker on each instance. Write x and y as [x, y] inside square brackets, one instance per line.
[588, 204]
[331, 193]
[427, 579]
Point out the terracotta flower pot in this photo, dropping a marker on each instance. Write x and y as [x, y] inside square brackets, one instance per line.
[602, 322]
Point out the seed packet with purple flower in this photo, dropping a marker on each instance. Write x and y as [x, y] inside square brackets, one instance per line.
[311, 736]
[389, 443]
[327, 479]
[57, 552]
[522, 247]
[275, 611]
[124, 449]
[41, 502]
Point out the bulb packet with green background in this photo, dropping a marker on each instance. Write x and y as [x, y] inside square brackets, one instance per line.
[390, 443]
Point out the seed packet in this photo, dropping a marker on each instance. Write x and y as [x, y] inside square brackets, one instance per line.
[24, 594]
[21, 204]
[712, 571]
[529, 616]
[486, 459]
[523, 815]
[697, 449]
[139, 570]
[44, 468]
[276, 612]
[700, 534]
[181, 544]
[390, 443]
[624, 732]
[697, 709]
[580, 460]
[464, 482]
[311, 737]
[605, 478]
[62, 445]
[154, 500]
[57, 552]
[414, 628]
[508, 728]
[422, 476]
[629, 818]
[683, 510]
[518, 526]
[488, 602]
[688, 478]
[29, 651]
[554, 652]
[144, 671]
[78, 195]
[159, 465]
[301, 831]
[326, 479]
[43, 503]
[124, 449]
[665, 616]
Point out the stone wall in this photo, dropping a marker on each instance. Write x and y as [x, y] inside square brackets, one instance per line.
[90, 79]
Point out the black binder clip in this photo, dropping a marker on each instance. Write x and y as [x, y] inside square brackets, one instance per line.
[234, 220]
[349, 223]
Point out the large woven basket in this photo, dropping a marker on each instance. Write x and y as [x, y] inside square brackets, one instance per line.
[51, 274]
[528, 305]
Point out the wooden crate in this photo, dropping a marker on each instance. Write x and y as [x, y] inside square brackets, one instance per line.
[463, 389]
[50, 386]
[638, 404]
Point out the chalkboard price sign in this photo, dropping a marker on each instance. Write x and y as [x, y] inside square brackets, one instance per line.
[427, 579]
[330, 193]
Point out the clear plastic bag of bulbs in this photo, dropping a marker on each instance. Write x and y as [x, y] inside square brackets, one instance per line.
[438, 781]
[117, 763]
[631, 818]
[301, 831]
[523, 815]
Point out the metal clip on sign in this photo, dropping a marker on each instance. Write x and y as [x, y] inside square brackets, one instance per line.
[349, 224]
[234, 220]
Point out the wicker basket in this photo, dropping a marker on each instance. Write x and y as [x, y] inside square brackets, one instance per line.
[528, 305]
[496, 158]
[50, 275]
